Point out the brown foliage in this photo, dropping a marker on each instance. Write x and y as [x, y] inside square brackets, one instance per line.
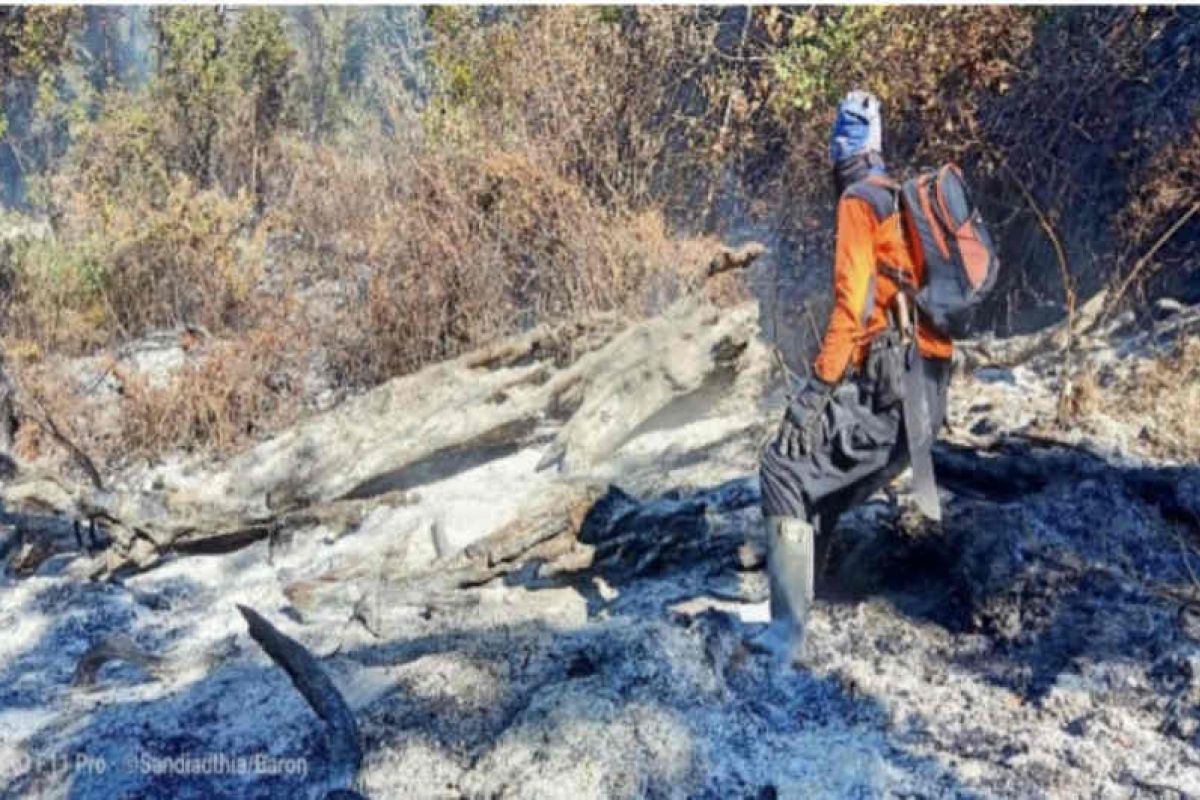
[1160, 399]
[435, 253]
[221, 400]
[1166, 198]
[564, 162]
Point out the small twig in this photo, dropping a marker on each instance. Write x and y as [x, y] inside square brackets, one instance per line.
[788, 375]
[1060, 253]
[816, 331]
[43, 418]
[1145, 259]
[1068, 284]
[1185, 550]
[723, 131]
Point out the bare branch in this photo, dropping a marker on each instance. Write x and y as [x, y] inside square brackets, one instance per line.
[1119, 294]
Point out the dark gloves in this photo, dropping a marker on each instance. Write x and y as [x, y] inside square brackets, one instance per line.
[800, 431]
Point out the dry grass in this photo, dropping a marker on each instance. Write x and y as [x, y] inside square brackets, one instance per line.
[1153, 223]
[225, 395]
[1159, 398]
[437, 253]
[47, 400]
[224, 399]
[1166, 396]
[1079, 397]
[117, 270]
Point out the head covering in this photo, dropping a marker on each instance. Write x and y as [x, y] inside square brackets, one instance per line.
[858, 128]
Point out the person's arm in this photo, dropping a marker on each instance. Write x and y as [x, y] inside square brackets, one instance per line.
[853, 268]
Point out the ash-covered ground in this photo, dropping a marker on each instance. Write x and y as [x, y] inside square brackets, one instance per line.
[1043, 641]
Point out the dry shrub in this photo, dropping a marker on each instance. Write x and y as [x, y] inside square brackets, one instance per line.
[651, 265]
[436, 251]
[187, 262]
[420, 253]
[333, 201]
[228, 393]
[1165, 396]
[47, 398]
[1159, 397]
[404, 247]
[1166, 185]
[931, 67]
[56, 303]
[1101, 94]
[1079, 398]
[137, 246]
[142, 267]
[613, 99]
[232, 394]
[1160, 223]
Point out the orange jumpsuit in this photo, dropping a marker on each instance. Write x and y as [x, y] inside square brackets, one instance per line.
[868, 236]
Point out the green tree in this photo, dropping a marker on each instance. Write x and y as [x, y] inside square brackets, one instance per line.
[259, 58]
[191, 81]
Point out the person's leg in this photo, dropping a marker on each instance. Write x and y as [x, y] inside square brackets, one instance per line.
[790, 574]
[799, 501]
[824, 521]
[863, 450]
[789, 540]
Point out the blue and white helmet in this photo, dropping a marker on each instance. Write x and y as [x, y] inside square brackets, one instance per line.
[858, 127]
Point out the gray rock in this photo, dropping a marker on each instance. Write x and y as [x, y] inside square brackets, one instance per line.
[1167, 307]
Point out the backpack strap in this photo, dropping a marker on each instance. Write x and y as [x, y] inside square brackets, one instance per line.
[882, 194]
[879, 192]
[903, 279]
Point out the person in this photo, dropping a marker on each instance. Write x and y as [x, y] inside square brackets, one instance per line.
[842, 436]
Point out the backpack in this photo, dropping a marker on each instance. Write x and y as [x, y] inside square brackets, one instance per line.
[946, 232]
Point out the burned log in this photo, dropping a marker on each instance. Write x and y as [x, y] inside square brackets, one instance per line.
[341, 731]
[547, 533]
[1008, 352]
[610, 393]
[574, 534]
[401, 433]
[372, 443]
